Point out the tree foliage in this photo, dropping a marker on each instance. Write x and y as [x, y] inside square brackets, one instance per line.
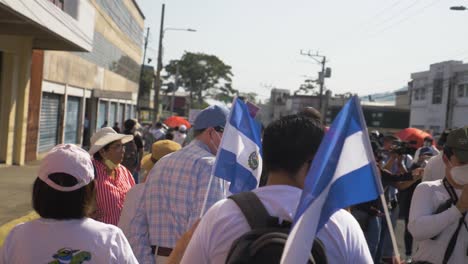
[203, 76]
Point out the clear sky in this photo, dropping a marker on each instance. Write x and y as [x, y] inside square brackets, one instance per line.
[372, 45]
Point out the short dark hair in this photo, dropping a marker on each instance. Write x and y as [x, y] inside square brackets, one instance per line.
[54, 204]
[311, 112]
[97, 155]
[169, 135]
[290, 142]
[198, 132]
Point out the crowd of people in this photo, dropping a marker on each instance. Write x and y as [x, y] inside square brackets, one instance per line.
[113, 204]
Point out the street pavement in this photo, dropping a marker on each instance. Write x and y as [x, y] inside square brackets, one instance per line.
[16, 186]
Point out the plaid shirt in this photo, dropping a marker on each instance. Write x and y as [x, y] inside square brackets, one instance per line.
[110, 192]
[173, 199]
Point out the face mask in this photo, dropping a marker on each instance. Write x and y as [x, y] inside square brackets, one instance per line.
[214, 145]
[460, 174]
[111, 165]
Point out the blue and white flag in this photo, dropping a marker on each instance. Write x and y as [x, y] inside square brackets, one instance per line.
[342, 174]
[239, 158]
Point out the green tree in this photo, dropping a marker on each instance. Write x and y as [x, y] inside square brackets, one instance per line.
[306, 87]
[202, 75]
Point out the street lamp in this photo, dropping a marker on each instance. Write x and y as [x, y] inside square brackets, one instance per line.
[458, 8]
[157, 81]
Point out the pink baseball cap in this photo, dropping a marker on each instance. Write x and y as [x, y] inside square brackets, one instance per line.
[69, 159]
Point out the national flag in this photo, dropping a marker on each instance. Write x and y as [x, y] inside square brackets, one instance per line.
[342, 174]
[239, 158]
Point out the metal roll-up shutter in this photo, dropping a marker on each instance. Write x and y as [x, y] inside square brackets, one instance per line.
[128, 111]
[112, 114]
[72, 120]
[102, 115]
[120, 115]
[49, 121]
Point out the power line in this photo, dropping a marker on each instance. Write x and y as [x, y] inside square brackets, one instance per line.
[412, 15]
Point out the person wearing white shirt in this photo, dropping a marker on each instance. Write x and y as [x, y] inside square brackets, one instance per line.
[180, 135]
[437, 217]
[428, 143]
[63, 195]
[287, 163]
[435, 168]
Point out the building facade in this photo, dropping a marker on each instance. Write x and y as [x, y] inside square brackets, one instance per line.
[84, 91]
[26, 27]
[439, 97]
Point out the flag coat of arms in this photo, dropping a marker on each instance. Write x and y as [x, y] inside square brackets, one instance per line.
[342, 174]
[239, 158]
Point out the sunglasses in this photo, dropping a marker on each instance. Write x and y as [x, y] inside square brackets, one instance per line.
[219, 129]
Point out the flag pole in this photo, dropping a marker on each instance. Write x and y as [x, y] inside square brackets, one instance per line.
[390, 227]
[380, 187]
[205, 201]
[206, 196]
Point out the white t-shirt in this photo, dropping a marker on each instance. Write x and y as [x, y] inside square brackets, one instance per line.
[130, 206]
[47, 240]
[342, 236]
[180, 137]
[425, 225]
[435, 168]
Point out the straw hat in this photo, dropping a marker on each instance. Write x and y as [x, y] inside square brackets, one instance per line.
[105, 136]
[159, 149]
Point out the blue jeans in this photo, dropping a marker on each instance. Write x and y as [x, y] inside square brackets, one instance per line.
[385, 248]
[372, 226]
[373, 234]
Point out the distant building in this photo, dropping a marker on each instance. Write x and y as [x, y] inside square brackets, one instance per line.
[181, 103]
[439, 96]
[385, 118]
[402, 99]
[28, 29]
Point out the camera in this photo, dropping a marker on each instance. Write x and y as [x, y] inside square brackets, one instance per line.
[402, 148]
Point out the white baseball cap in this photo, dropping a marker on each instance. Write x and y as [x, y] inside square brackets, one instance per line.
[105, 136]
[182, 128]
[69, 159]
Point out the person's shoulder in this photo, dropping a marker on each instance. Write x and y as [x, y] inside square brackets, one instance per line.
[100, 228]
[225, 209]
[430, 185]
[426, 188]
[343, 218]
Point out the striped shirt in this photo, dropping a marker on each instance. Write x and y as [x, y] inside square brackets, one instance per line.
[110, 192]
[173, 199]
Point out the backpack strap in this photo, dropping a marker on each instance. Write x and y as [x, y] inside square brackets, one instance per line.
[254, 211]
[453, 240]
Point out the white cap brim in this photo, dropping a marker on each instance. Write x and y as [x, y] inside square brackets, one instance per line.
[102, 142]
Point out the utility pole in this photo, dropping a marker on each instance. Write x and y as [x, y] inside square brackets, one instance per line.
[176, 87]
[321, 59]
[157, 80]
[141, 72]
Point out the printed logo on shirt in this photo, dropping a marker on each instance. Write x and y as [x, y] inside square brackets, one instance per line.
[67, 255]
[253, 160]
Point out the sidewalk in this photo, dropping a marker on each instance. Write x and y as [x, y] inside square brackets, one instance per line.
[15, 190]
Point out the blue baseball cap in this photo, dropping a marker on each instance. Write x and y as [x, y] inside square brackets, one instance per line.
[212, 116]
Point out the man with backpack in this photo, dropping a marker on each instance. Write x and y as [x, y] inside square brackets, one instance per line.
[246, 227]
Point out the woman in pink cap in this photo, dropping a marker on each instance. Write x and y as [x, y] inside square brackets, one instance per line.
[113, 180]
[63, 195]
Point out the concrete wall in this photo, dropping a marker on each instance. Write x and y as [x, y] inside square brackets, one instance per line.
[14, 86]
[34, 105]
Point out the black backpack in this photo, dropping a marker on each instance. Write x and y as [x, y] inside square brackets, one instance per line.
[266, 241]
